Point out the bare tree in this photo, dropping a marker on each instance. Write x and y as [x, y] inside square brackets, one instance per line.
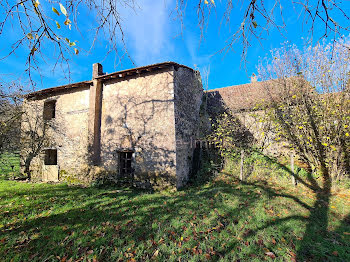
[312, 111]
[45, 23]
[312, 116]
[41, 25]
[258, 17]
[10, 115]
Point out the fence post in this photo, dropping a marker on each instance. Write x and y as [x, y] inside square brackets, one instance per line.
[292, 168]
[242, 164]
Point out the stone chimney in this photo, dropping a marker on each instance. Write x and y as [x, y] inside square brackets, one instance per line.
[95, 109]
[253, 78]
[97, 70]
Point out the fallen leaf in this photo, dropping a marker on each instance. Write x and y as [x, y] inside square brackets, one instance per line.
[156, 253]
[270, 254]
[273, 241]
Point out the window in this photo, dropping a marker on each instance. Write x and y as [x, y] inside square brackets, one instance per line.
[125, 160]
[50, 157]
[49, 110]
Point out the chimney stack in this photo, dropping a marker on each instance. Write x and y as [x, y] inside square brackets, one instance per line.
[95, 112]
[97, 70]
[253, 78]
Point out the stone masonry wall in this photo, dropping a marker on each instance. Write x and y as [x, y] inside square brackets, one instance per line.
[67, 133]
[155, 115]
[138, 115]
[263, 134]
[240, 101]
[188, 99]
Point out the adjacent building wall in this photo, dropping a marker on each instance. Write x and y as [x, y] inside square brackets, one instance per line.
[265, 139]
[242, 102]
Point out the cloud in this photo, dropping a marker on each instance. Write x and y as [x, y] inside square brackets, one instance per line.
[194, 49]
[149, 31]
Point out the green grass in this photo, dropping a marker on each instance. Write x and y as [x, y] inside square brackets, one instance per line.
[222, 220]
[9, 165]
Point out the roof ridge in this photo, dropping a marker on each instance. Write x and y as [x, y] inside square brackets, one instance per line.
[236, 86]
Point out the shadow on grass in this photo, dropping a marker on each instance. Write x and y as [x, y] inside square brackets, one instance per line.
[224, 219]
[317, 222]
[131, 220]
[317, 240]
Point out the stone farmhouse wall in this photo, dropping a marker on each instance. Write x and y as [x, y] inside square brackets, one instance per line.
[152, 115]
[138, 114]
[67, 132]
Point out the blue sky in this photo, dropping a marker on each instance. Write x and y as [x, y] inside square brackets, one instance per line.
[152, 35]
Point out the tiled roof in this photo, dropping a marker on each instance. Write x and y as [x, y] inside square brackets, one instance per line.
[58, 88]
[242, 97]
[247, 96]
[115, 75]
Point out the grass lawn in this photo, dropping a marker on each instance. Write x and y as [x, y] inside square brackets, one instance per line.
[9, 165]
[222, 220]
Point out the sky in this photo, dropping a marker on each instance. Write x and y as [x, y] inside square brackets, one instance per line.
[153, 34]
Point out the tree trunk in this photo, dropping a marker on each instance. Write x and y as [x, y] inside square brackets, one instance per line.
[292, 168]
[242, 164]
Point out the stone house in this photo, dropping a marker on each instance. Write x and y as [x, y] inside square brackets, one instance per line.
[136, 124]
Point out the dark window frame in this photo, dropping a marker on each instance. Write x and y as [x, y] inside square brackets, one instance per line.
[126, 159]
[49, 111]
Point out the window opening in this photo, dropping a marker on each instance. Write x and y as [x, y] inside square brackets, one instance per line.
[49, 110]
[50, 157]
[125, 160]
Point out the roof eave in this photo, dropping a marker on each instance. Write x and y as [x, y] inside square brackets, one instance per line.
[140, 70]
[116, 75]
[56, 89]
